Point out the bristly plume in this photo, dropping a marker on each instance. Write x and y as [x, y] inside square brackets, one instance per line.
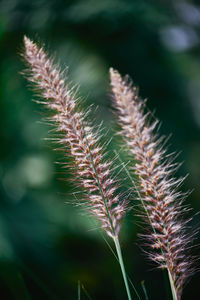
[93, 172]
[161, 203]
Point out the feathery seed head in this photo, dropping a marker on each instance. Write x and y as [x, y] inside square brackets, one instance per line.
[93, 171]
[160, 201]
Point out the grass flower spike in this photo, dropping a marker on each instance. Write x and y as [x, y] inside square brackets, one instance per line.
[78, 138]
[160, 201]
[93, 172]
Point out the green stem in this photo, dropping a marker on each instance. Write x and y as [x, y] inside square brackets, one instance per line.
[86, 292]
[144, 290]
[173, 289]
[116, 257]
[119, 254]
[79, 290]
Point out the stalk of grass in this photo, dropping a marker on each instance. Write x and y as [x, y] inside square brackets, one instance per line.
[86, 292]
[114, 235]
[79, 290]
[79, 139]
[121, 262]
[128, 277]
[161, 203]
[144, 290]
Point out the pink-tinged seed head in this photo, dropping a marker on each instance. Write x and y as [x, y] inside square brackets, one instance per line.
[93, 172]
[160, 202]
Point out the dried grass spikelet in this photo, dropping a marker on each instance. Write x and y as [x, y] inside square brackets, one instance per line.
[94, 173]
[161, 202]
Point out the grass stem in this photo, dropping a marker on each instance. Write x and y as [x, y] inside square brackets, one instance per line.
[144, 290]
[174, 295]
[79, 290]
[119, 254]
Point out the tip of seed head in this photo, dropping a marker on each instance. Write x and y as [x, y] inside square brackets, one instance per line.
[113, 71]
[27, 42]
[26, 39]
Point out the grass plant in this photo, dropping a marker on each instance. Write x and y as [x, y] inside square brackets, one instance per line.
[161, 202]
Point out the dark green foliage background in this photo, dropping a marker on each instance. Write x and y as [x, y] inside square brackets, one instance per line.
[47, 245]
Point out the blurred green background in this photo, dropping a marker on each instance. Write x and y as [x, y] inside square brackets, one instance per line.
[47, 244]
